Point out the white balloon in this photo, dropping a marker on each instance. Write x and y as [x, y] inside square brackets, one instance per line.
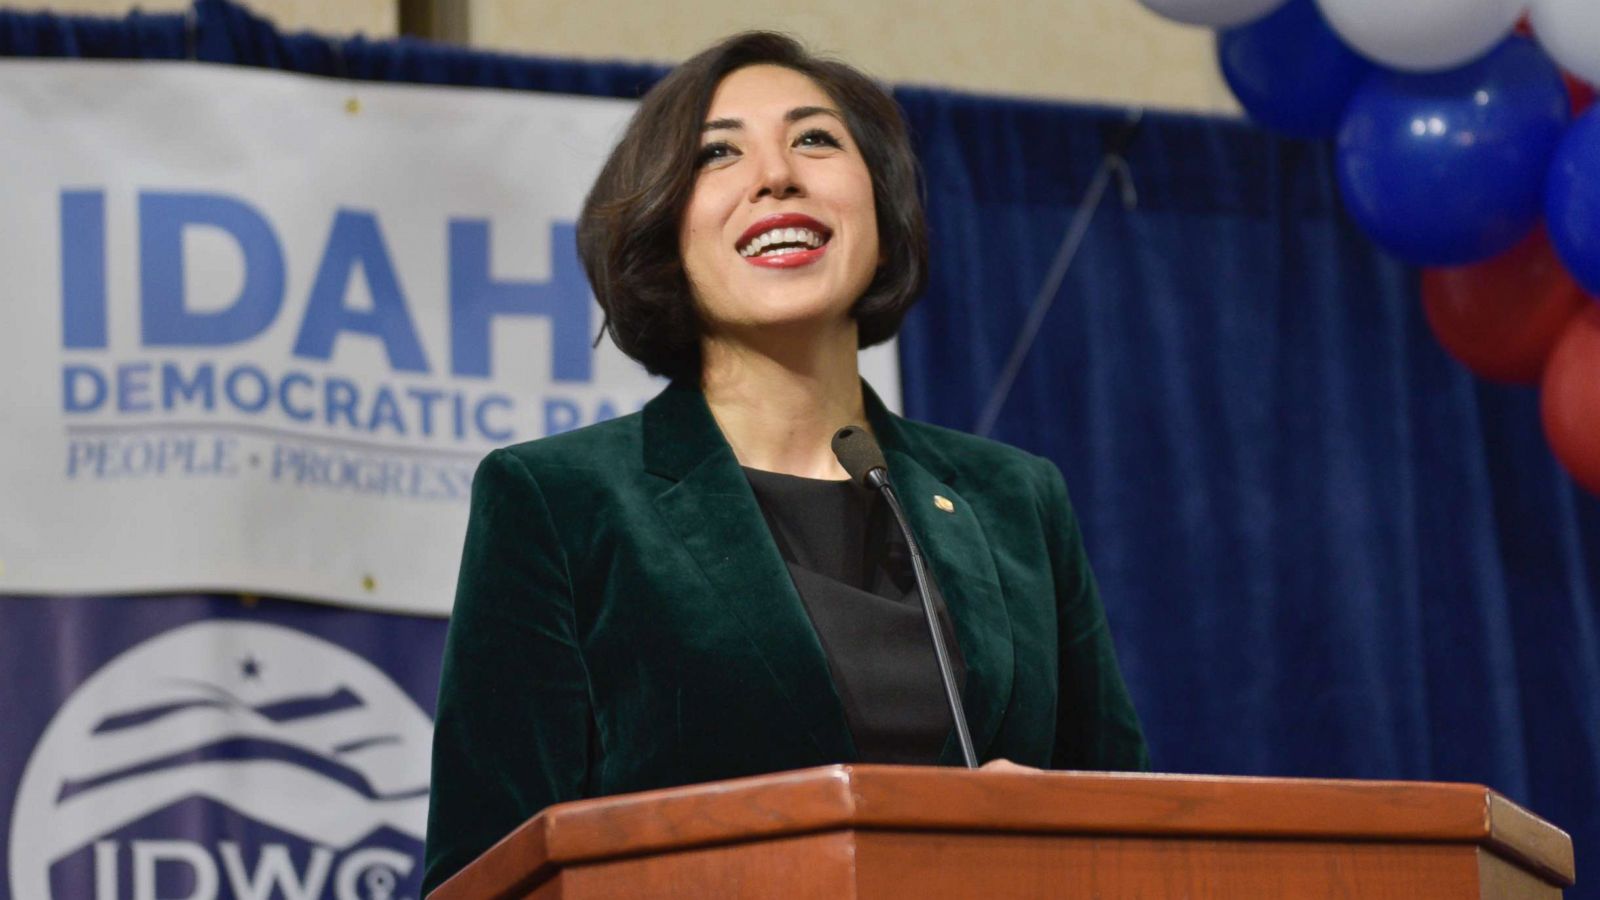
[1213, 13]
[1569, 30]
[1423, 35]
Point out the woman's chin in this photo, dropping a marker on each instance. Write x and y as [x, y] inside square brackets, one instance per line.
[773, 327]
[779, 309]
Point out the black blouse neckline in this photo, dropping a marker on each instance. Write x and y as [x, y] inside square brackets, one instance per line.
[852, 571]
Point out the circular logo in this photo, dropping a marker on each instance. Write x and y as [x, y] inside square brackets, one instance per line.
[225, 759]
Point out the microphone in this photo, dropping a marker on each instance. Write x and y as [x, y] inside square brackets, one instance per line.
[860, 456]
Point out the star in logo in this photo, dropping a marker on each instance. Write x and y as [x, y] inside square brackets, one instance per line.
[250, 668]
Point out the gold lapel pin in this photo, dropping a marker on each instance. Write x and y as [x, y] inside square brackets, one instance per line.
[943, 503]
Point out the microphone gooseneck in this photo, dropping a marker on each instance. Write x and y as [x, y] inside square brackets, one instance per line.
[860, 456]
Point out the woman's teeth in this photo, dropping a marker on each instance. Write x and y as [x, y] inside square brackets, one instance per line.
[780, 241]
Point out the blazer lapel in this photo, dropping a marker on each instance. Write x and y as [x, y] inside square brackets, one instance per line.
[959, 555]
[709, 505]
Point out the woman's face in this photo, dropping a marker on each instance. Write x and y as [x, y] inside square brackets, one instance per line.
[781, 227]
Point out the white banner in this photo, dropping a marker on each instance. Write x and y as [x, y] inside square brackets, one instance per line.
[259, 327]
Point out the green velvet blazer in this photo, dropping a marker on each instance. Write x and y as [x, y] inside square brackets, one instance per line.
[624, 621]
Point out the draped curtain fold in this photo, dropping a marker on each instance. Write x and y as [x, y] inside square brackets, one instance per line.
[1326, 549]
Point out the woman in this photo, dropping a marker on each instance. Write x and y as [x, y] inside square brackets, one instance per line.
[697, 591]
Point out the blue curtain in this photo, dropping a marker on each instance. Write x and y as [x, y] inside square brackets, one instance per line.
[139, 36]
[217, 31]
[1326, 549]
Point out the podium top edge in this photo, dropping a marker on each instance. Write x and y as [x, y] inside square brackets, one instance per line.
[1106, 804]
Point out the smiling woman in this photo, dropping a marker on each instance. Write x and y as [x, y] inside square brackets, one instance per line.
[780, 229]
[703, 140]
[699, 591]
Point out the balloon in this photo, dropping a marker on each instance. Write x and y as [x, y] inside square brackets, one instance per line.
[1449, 168]
[1582, 93]
[1501, 317]
[1569, 30]
[1290, 72]
[1572, 200]
[1423, 35]
[1212, 13]
[1569, 400]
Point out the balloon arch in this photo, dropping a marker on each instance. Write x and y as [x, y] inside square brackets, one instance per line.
[1467, 143]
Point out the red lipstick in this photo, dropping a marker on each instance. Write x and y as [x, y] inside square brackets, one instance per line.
[782, 220]
[791, 259]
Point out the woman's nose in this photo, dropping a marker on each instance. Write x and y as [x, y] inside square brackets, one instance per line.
[777, 178]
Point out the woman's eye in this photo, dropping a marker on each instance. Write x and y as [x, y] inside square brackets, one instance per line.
[818, 137]
[712, 152]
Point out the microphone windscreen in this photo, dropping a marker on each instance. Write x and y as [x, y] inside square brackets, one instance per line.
[858, 452]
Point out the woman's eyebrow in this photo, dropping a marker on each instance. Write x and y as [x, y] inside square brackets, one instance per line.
[792, 116]
[806, 112]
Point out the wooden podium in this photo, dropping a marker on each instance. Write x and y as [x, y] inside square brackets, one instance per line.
[844, 832]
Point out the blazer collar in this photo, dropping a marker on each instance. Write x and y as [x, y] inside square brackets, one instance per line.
[711, 508]
[680, 433]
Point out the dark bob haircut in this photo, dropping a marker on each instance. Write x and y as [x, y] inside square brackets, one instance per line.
[628, 231]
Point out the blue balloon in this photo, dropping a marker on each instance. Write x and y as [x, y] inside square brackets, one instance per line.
[1572, 201]
[1448, 168]
[1290, 72]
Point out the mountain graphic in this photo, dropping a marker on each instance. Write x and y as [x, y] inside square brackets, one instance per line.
[313, 740]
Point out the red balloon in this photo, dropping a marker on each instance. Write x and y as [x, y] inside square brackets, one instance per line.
[1569, 401]
[1502, 316]
[1582, 93]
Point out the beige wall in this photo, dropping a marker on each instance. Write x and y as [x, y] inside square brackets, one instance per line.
[1109, 51]
[1099, 51]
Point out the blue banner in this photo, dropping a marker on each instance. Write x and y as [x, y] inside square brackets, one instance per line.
[199, 747]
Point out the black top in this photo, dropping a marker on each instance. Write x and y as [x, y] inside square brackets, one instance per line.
[853, 572]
